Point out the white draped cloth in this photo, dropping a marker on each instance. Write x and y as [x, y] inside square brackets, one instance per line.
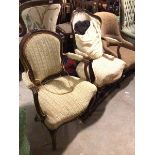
[90, 43]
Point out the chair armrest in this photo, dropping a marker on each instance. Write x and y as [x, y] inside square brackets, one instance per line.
[127, 44]
[27, 80]
[87, 63]
[112, 41]
[74, 56]
[108, 50]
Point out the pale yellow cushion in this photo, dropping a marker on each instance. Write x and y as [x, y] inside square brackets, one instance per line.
[65, 98]
[106, 70]
[41, 17]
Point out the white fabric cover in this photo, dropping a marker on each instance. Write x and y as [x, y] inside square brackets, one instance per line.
[91, 43]
[106, 70]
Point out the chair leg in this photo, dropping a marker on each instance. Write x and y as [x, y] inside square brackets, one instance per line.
[53, 137]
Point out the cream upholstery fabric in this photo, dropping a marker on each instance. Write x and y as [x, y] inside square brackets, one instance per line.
[106, 70]
[43, 54]
[27, 80]
[41, 17]
[65, 98]
[90, 43]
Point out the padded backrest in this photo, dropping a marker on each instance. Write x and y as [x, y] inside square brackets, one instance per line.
[109, 23]
[42, 51]
[41, 17]
[127, 13]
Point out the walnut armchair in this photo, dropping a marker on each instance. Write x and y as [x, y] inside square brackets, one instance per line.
[58, 97]
[113, 43]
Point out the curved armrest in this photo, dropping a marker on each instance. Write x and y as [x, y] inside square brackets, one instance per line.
[112, 40]
[74, 56]
[108, 50]
[127, 44]
[29, 84]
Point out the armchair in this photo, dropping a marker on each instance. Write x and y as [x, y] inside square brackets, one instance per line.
[105, 69]
[113, 43]
[41, 14]
[127, 19]
[58, 97]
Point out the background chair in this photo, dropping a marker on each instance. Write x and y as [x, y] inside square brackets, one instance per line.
[127, 19]
[58, 97]
[41, 14]
[113, 43]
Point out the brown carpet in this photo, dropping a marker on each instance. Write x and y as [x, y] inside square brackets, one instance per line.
[109, 131]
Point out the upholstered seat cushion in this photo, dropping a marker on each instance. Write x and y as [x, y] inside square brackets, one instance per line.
[64, 98]
[127, 55]
[107, 69]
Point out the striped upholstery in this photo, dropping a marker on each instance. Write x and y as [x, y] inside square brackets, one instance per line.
[65, 98]
[43, 54]
[41, 17]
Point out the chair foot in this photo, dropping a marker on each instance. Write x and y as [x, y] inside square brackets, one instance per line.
[53, 137]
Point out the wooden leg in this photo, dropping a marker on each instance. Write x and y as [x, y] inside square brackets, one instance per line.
[53, 137]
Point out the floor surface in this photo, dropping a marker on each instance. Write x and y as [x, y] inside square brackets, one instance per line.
[109, 131]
